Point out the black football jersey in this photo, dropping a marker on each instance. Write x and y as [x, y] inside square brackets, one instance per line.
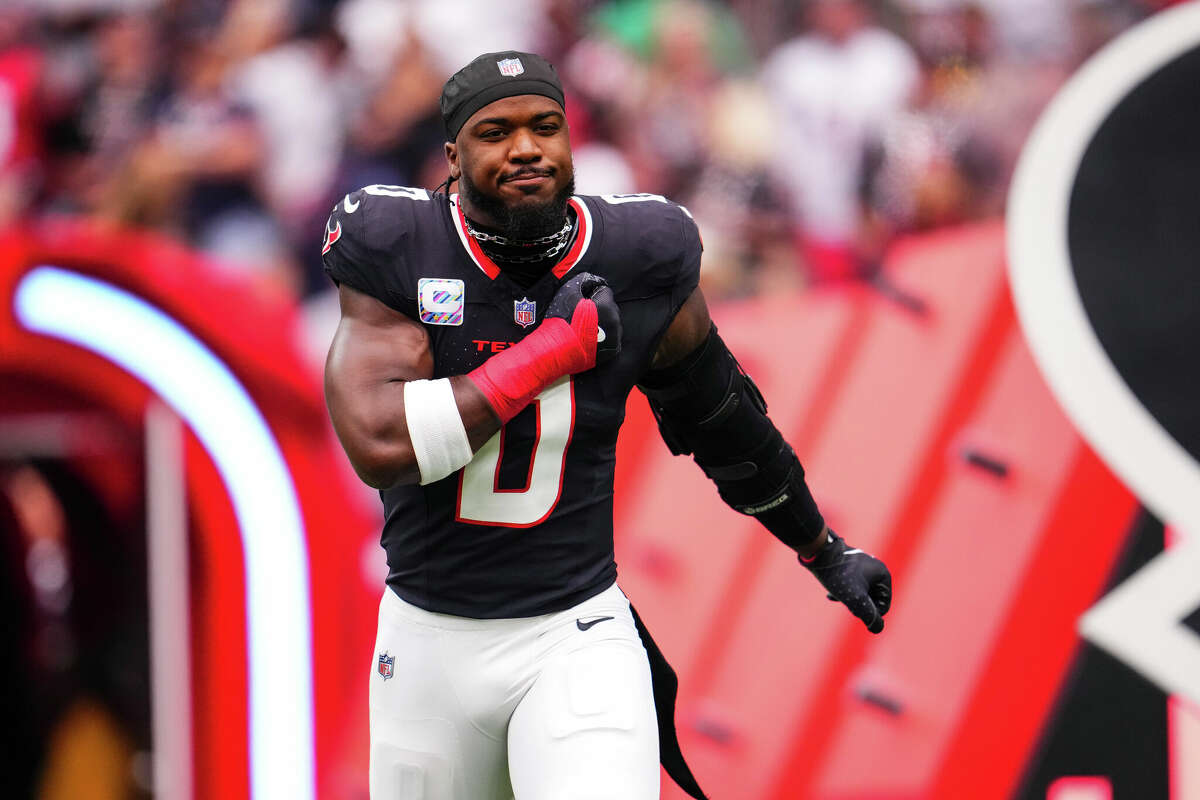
[526, 527]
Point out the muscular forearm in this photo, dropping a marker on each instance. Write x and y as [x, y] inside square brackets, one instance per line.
[376, 356]
[399, 425]
[378, 442]
[421, 430]
[477, 415]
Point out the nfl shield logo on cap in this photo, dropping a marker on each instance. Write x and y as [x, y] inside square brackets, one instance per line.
[386, 665]
[510, 67]
[524, 312]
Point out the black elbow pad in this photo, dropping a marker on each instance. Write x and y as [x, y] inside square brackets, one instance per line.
[707, 405]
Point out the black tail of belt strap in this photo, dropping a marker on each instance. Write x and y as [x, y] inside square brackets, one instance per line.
[666, 688]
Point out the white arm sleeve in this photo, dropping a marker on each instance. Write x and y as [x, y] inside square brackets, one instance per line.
[435, 428]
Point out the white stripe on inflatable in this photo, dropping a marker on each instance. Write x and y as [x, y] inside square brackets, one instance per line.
[181, 370]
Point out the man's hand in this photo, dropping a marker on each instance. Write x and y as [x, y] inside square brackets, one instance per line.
[566, 342]
[576, 301]
[857, 579]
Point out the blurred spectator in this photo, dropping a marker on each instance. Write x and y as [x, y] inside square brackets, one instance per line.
[398, 128]
[833, 89]
[197, 161]
[455, 33]
[291, 87]
[235, 124]
[21, 65]
[670, 114]
[300, 86]
[198, 172]
[650, 70]
[1032, 30]
[643, 27]
[744, 225]
[1097, 22]
[601, 168]
[931, 164]
[668, 134]
[928, 168]
[124, 81]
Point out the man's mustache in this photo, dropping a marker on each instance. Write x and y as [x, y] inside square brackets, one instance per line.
[527, 172]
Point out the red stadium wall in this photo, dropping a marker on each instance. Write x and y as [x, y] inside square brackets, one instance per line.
[929, 439]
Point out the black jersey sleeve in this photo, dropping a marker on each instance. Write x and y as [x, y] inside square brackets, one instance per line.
[686, 276]
[672, 247]
[364, 243]
[657, 241]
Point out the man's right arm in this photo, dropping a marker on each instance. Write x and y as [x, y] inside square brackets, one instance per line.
[376, 351]
[398, 425]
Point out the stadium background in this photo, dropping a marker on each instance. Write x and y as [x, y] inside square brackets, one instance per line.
[165, 173]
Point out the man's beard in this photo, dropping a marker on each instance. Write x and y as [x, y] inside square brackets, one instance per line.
[527, 221]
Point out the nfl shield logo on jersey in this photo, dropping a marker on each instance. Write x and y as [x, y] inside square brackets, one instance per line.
[386, 665]
[510, 67]
[524, 312]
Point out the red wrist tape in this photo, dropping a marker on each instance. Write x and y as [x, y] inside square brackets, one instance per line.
[513, 377]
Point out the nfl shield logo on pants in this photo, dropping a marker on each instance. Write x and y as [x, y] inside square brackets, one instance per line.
[524, 312]
[510, 67]
[386, 663]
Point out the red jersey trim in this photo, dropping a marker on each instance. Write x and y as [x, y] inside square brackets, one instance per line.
[582, 239]
[468, 241]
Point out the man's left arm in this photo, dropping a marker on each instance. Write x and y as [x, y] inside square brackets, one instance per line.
[707, 406]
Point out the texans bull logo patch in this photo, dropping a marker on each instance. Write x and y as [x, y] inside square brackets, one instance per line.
[331, 235]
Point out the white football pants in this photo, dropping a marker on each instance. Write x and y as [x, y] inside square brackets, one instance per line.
[554, 707]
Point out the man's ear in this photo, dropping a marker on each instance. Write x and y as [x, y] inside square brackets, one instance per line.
[452, 160]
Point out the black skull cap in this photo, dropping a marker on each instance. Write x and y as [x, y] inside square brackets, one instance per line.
[494, 76]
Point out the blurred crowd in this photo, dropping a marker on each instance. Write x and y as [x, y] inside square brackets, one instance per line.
[804, 135]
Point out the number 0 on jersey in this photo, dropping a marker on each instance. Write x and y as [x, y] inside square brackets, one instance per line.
[479, 499]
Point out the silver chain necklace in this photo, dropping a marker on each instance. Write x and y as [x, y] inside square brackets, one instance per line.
[558, 236]
[531, 259]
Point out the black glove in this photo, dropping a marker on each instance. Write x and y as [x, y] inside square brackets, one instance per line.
[587, 286]
[855, 578]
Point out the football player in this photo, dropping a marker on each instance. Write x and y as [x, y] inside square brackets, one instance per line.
[478, 378]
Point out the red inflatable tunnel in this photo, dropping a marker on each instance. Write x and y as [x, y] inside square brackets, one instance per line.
[113, 323]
